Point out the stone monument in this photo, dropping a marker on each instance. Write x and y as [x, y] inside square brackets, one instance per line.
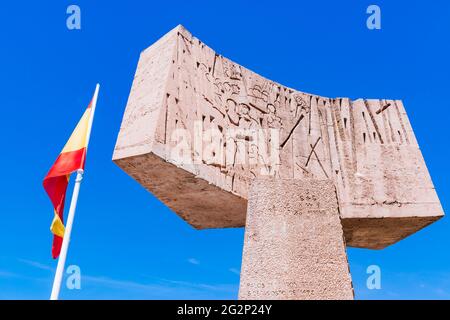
[306, 175]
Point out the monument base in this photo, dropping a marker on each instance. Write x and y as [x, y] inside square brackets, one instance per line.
[294, 245]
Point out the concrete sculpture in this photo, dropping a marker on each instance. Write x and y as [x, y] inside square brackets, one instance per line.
[307, 175]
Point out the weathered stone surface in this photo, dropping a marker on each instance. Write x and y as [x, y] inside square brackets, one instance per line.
[367, 147]
[294, 246]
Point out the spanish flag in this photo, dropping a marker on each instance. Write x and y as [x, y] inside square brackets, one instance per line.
[71, 158]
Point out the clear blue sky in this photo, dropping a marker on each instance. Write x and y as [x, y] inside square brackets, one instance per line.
[126, 242]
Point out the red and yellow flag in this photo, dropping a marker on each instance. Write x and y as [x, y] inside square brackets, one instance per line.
[71, 158]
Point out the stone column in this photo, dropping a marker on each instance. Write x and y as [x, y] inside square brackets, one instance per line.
[294, 246]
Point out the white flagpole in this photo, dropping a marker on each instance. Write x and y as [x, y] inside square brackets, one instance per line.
[73, 205]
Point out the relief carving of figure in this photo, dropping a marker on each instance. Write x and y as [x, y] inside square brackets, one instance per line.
[301, 106]
[272, 120]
